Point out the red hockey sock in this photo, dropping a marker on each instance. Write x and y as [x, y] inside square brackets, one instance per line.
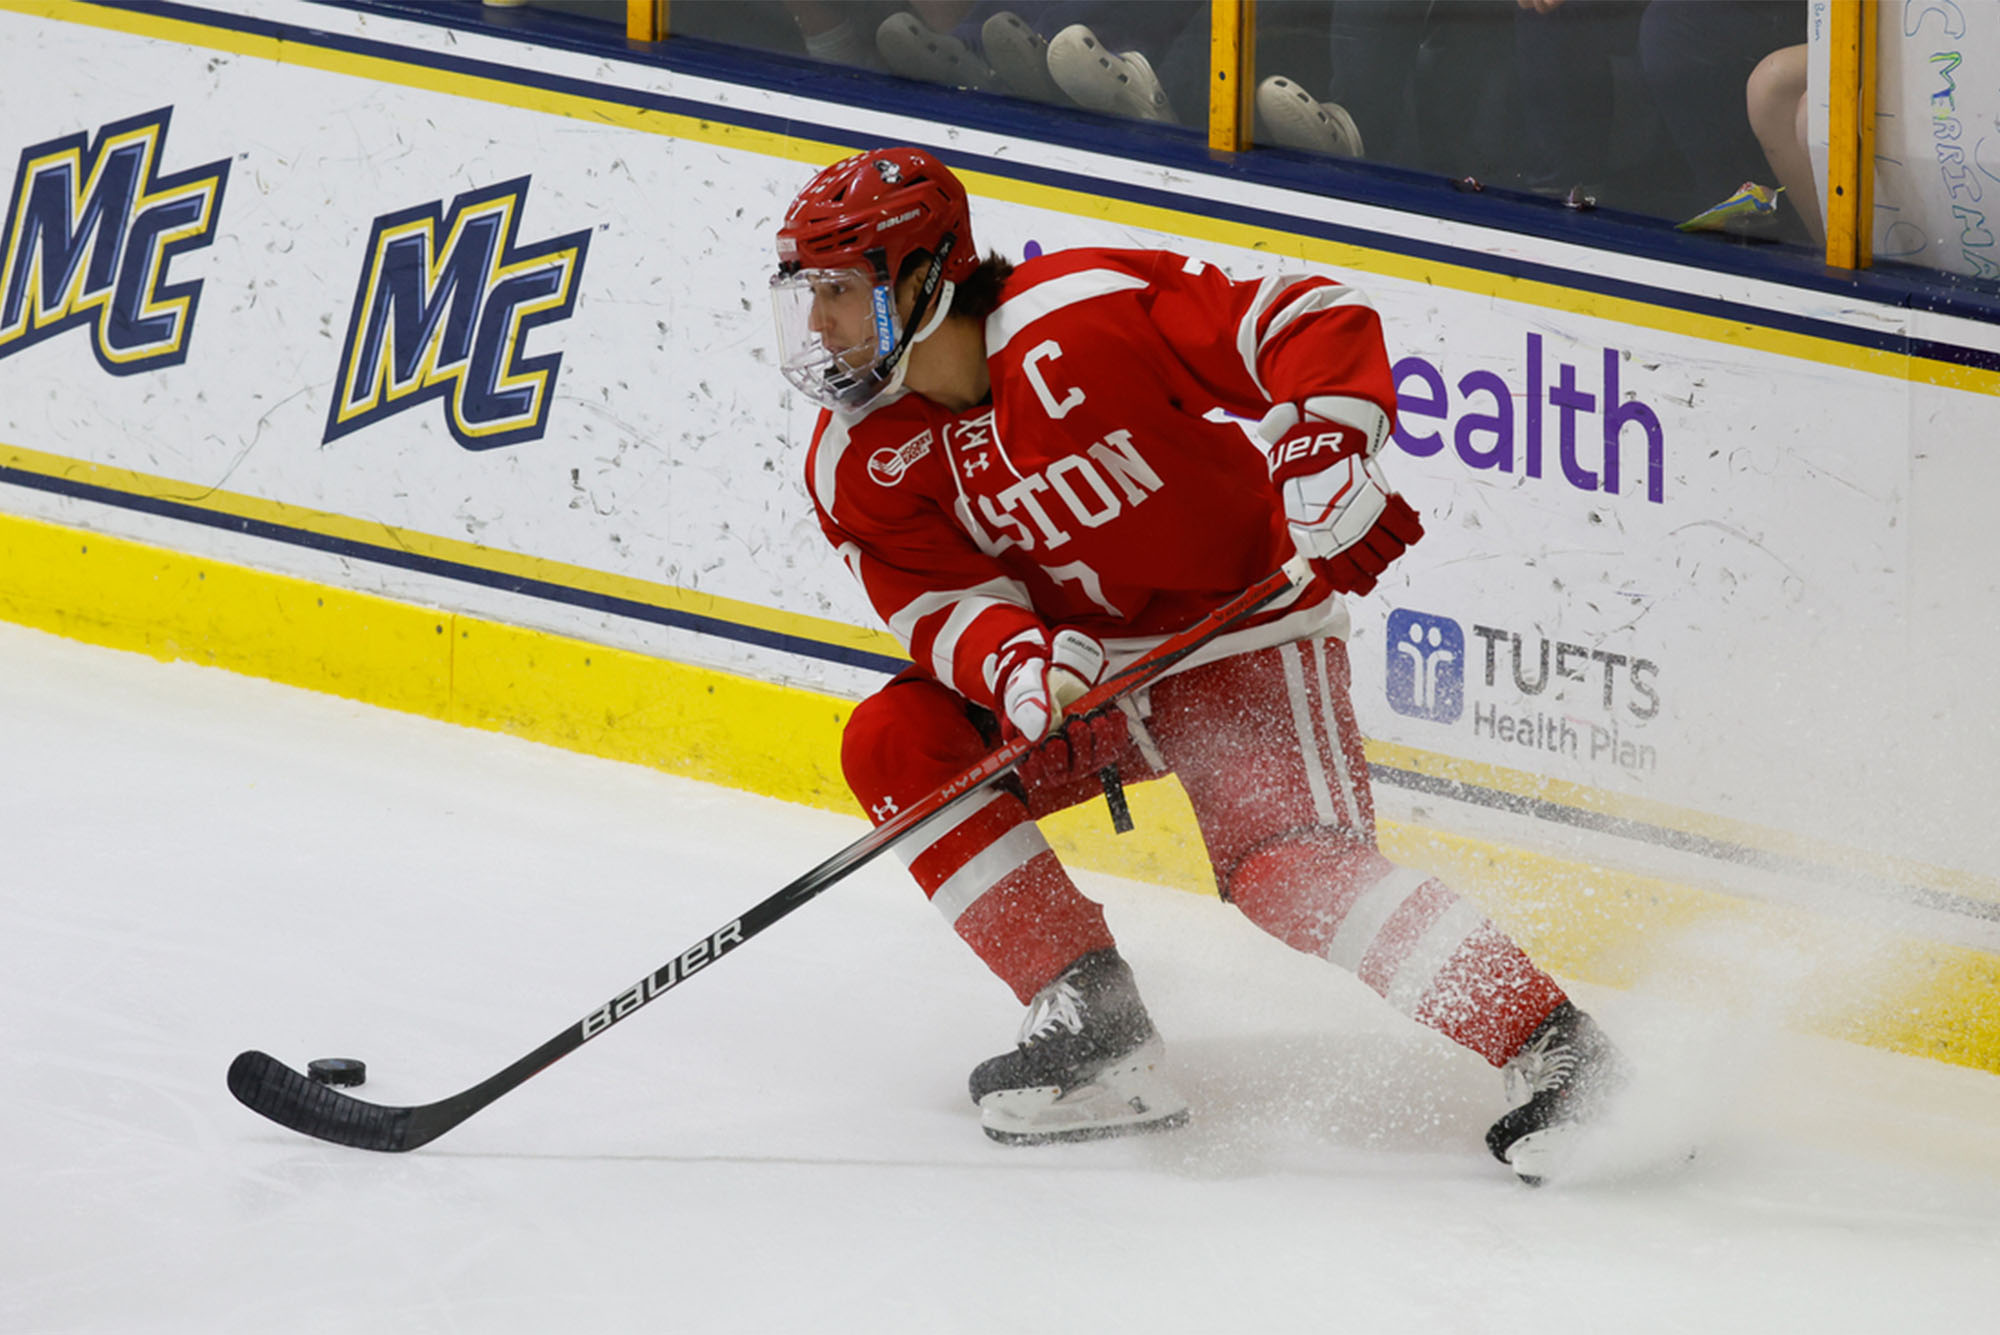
[1032, 925]
[1429, 953]
[983, 863]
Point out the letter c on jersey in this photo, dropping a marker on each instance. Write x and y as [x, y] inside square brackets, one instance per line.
[1042, 352]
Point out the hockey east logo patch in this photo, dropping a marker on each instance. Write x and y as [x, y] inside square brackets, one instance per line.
[92, 231]
[888, 464]
[1426, 668]
[445, 304]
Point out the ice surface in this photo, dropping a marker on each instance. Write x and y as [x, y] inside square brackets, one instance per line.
[195, 863]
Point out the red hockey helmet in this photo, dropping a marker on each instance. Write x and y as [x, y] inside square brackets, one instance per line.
[841, 340]
[889, 200]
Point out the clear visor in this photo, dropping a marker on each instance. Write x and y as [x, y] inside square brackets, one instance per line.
[837, 334]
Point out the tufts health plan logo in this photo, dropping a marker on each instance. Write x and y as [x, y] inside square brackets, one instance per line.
[1426, 670]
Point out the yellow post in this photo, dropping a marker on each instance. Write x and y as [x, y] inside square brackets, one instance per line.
[1866, 75]
[1232, 31]
[645, 20]
[1844, 221]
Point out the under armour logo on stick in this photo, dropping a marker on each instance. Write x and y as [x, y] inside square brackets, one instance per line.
[884, 809]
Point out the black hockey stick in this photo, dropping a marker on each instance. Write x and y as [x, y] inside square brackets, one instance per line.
[267, 1086]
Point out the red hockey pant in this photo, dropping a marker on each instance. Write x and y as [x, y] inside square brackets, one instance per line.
[1265, 745]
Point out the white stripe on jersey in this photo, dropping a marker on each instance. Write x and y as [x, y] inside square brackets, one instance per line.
[1018, 312]
[1272, 294]
[1248, 345]
[965, 605]
[944, 648]
[1009, 853]
[1313, 299]
[833, 443]
[1328, 616]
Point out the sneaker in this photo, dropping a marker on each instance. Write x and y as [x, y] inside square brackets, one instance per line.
[1294, 118]
[1121, 85]
[1020, 56]
[1086, 1066]
[916, 52]
[1557, 1084]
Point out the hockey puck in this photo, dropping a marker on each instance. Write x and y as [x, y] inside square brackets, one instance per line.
[338, 1070]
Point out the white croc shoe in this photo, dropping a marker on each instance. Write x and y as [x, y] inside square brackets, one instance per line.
[1020, 56]
[1102, 80]
[916, 52]
[1294, 118]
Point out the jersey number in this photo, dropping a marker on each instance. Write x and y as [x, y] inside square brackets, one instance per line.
[1087, 583]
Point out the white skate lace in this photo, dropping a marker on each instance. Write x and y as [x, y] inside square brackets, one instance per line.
[1543, 1065]
[1058, 1006]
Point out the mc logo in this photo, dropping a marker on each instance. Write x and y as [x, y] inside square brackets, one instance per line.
[91, 231]
[444, 307]
[1426, 670]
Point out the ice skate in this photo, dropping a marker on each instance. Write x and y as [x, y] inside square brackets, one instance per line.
[1087, 1064]
[1558, 1084]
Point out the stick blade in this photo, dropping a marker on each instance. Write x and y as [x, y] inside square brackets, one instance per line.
[269, 1088]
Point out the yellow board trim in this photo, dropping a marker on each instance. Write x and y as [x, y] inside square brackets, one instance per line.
[1349, 258]
[1580, 921]
[463, 669]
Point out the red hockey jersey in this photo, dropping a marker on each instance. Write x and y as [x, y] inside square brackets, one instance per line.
[1102, 485]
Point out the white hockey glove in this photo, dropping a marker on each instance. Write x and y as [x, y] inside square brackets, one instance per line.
[1041, 675]
[1344, 516]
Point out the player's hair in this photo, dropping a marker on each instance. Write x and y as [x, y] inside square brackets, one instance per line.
[978, 293]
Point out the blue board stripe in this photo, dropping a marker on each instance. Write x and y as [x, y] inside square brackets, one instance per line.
[464, 572]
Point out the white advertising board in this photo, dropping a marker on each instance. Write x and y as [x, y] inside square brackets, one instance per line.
[1666, 560]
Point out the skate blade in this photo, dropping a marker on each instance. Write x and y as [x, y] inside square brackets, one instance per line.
[1540, 1154]
[1093, 1131]
[1125, 1101]
[1581, 1150]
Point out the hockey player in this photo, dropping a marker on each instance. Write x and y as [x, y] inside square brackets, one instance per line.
[1026, 469]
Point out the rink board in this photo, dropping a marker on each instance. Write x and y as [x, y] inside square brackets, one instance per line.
[1702, 618]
